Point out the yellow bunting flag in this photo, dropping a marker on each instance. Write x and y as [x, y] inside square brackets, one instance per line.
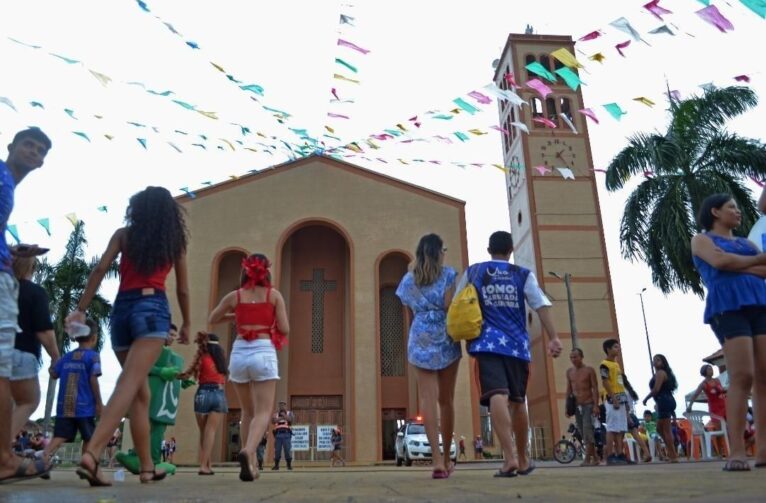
[329, 129]
[341, 77]
[108, 136]
[567, 58]
[477, 132]
[501, 168]
[597, 57]
[218, 67]
[355, 148]
[210, 115]
[645, 101]
[261, 134]
[251, 149]
[227, 142]
[455, 111]
[402, 161]
[104, 79]
[72, 217]
[401, 127]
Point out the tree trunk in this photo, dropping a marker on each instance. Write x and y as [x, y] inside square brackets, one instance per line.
[49, 405]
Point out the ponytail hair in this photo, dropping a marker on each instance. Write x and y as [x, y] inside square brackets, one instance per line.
[206, 344]
[255, 271]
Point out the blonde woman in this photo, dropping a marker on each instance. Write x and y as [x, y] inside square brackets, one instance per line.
[427, 290]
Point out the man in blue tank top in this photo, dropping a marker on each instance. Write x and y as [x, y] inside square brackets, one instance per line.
[502, 350]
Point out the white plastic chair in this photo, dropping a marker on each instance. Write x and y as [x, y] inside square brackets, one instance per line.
[632, 447]
[697, 420]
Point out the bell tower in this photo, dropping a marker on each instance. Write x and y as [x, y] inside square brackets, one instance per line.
[555, 218]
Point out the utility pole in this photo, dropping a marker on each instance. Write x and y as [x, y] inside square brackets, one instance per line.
[646, 330]
[567, 279]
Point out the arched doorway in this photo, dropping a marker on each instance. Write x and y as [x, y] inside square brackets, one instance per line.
[395, 381]
[314, 277]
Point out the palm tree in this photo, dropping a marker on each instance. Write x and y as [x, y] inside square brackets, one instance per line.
[65, 282]
[694, 158]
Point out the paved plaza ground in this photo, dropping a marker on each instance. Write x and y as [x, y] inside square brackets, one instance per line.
[472, 482]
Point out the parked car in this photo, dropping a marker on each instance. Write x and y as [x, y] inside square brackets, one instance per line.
[412, 444]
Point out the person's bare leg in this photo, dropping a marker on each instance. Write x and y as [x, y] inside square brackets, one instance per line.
[520, 423]
[26, 396]
[213, 421]
[201, 421]
[759, 397]
[136, 363]
[447, 378]
[739, 363]
[500, 416]
[52, 447]
[263, 393]
[246, 411]
[428, 393]
[666, 430]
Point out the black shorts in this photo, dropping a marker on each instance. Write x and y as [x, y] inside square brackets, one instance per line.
[502, 375]
[746, 322]
[666, 406]
[67, 428]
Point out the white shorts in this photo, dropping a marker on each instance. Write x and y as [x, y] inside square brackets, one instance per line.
[254, 360]
[616, 419]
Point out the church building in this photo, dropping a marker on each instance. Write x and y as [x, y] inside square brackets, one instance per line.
[340, 238]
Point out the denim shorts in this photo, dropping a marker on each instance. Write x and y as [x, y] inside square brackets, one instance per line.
[137, 316]
[746, 322]
[25, 366]
[210, 398]
[9, 326]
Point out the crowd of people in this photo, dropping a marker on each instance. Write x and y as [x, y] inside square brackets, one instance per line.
[154, 242]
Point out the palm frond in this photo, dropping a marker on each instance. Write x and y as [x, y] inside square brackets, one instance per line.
[640, 156]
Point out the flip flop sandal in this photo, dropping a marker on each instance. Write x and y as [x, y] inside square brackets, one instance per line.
[440, 474]
[529, 469]
[513, 472]
[156, 476]
[91, 476]
[245, 473]
[760, 464]
[205, 473]
[21, 472]
[736, 465]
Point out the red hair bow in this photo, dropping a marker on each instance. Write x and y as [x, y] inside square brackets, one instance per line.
[257, 271]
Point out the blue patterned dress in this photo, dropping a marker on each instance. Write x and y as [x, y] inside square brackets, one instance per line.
[429, 347]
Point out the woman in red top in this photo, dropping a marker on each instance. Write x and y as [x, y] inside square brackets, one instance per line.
[151, 244]
[262, 326]
[209, 369]
[715, 394]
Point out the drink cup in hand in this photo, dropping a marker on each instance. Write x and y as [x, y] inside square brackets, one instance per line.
[77, 330]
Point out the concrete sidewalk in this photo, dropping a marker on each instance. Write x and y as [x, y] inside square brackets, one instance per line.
[470, 483]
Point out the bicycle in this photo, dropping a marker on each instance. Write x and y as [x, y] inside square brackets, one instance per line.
[566, 450]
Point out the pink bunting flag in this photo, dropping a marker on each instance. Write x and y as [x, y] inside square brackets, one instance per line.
[712, 15]
[742, 78]
[383, 137]
[540, 87]
[335, 93]
[415, 121]
[337, 116]
[587, 112]
[547, 122]
[484, 100]
[590, 36]
[511, 80]
[622, 46]
[674, 95]
[346, 43]
[543, 170]
[656, 10]
[502, 130]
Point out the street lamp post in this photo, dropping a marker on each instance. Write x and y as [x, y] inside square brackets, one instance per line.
[572, 326]
[646, 330]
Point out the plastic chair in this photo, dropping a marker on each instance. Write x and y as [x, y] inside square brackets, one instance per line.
[697, 420]
[632, 446]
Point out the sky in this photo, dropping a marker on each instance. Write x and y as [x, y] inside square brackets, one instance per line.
[422, 55]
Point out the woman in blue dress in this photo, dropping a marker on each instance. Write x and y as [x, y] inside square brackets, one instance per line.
[427, 290]
[733, 271]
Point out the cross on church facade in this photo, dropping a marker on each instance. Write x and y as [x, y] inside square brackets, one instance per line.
[318, 286]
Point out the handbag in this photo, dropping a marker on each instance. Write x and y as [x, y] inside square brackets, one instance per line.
[571, 405]
[464, 318]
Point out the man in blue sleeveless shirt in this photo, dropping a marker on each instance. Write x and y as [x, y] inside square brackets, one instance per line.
[502, 349]
[25, 154]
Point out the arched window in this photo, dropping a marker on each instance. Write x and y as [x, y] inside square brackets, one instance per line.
[530, 58]
[392, 347]
[550, 105]
[565, 105]
[537, 107]
[545, 60]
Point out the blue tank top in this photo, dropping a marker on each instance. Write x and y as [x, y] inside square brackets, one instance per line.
[730, 290]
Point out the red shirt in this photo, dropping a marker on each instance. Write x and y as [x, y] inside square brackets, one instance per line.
[208, 372]
[130, 279]
[716, 397]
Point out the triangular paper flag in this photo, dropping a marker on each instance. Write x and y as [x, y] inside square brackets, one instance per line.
[14, 232]
[597, 57]
[520, 126]
[142, 141]
[757, 6]
[540, 87]
[540, 70]
[712, 15]
[45, 224]
[569, 123]
[570, 77]
[542, 170]
[644, 100]
[104, 79]
[72, 217]
[566, 173]
[587, 112]
[566, 57]
[103, 209]
[614, 110]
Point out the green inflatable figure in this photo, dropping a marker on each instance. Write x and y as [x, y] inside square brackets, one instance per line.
[165, 389]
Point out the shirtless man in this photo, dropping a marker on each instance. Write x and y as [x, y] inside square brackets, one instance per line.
[582, 383]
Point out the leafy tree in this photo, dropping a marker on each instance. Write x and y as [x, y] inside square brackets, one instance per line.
[65, 283]
[695, 157]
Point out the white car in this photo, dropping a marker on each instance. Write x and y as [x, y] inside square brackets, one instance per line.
[412, 444]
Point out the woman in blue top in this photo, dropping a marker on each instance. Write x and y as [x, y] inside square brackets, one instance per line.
[427, 290]
[733, 271]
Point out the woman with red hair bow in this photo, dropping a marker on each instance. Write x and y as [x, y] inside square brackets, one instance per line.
[262, 327]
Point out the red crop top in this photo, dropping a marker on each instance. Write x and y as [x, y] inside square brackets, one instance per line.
[130, 279]
[208, 372]
[258, 313]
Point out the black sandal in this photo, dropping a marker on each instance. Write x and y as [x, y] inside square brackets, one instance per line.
[245, 473]
[91, 475]
[156, 477]
[736, 465]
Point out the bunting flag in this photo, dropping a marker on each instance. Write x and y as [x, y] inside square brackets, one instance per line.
[599, 57]
[68, 61]
[341, 77]
[253, 88]
[45, 223]
[624, 25]
[644, 100]
[493, 90]
[546, 122]
[566, 58]
[662, 29]
[511, 81]
[70, 113]
[347, 65]
[189, 193]
[566, 173]
[569, 123]
[103, 79]
[540, 87]
[520, 126]
[543, 170]
[344, 19]
[142, 141]
[82, 135]
[590, 36]
[465, 105]
[614, 110]
[538, 69]
[570, 77]
[654, 8]
[712, 15]
[72, 217]
[742, 78]
[622, 46]
[36, 104]
[477, 132]
[460, 136]
[757, 6]
[484, 100]
[587, 112]
[337, 116]
[350, 45]
[13, 232]
[8, 102]
[103, 209]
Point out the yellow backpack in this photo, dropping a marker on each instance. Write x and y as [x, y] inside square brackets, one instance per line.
[464, 318]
